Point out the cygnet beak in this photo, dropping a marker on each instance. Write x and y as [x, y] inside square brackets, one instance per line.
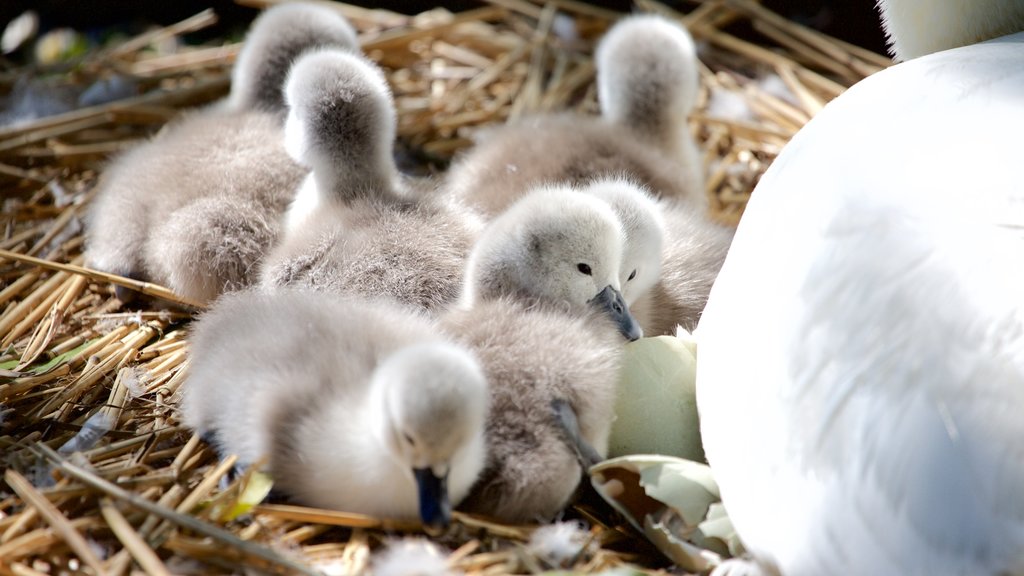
[435, 508]
[610, 301]
[566, 420]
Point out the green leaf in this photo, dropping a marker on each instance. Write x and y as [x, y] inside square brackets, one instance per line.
[49, 365]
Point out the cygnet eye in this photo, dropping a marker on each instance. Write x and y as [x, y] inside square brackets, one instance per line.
[584, 268]
[631, 275]
[408, 438]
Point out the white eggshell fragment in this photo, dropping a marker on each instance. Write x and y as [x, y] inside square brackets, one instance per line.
[674, 502]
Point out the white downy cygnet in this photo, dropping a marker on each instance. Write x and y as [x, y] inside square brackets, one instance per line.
[647, 84]
[361, 406]
[552, 247]
[861, 370]
[643, 228]
[355, 225]
[693, 252]
[671, 257]
[535, 314]
[196, 207]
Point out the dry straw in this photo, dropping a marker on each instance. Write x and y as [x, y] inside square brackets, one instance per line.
[143, 497]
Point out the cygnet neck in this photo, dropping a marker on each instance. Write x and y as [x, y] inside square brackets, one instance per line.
[346, 183]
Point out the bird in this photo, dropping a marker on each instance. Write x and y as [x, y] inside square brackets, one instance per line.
[554, 247]
[549, 344]
[693, 250]
[196, 207]
[861, 355]
[359, 405]
[643, 227]
[356, 226]
[672, 254]
[647, 85]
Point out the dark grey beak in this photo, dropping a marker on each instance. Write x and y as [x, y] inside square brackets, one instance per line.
[610, 301]
[435, 509]
[565, 418]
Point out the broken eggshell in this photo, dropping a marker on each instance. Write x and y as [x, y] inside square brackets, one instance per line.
[656, 407]
[674, 502]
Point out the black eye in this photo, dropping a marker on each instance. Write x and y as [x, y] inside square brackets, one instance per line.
[409, 439]
[585, 268]
[631, 275]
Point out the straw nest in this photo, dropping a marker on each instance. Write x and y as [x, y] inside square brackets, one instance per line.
[146, 495]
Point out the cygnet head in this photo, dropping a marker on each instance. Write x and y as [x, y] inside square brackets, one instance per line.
[435, 401]
[276, 39]
[341, 122]
[917, 27]
[644, 230]
[647, 75]
[555, 245]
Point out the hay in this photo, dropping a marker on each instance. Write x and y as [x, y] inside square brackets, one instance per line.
[146, 496]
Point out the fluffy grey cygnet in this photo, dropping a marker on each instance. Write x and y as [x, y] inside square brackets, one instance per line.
[647, 83]
[356, 226]
[550, 354]
[361, 406]
[198, 206]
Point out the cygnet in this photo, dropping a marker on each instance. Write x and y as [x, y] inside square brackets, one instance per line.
[672, 254]
[360, 406]
[691, 257]
[356, 226]
[643, 228]
[647, 84]
[196, 207]
[553, 247]
[550, 354]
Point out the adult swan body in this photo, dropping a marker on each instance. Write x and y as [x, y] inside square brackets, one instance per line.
[861, 374]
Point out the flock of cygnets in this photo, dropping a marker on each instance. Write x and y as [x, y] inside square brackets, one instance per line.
[399, 346]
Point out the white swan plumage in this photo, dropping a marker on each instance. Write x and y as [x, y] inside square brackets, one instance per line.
[861, 366]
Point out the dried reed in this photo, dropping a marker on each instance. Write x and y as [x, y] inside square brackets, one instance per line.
[142, 498]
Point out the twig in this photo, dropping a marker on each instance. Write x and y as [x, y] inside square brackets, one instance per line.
[185, 521]
[142, 553]
[191, 24]
[54, 518]
[144, 287]
[334, 518]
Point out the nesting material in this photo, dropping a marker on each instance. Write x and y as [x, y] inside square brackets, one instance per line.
[146, 495]
[561, 544]
[412, 557]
